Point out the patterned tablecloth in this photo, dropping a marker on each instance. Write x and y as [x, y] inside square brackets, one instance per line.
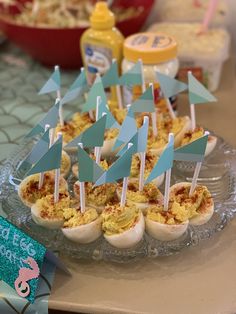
[20, 108]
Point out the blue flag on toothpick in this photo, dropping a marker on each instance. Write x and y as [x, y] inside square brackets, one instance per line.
[89, 170]
[119, 169]
[111, 122]
[37, 152]
[132, 76]
[77, 88]
[170, 86]
[198, 94]
[91, 137]
[139, 140]
[50, 161]
[164, 163]
[50, 118]
[111, 77]
[144, 103]
[97, 89]
[128, 129]
[53, 84]
[194, 151]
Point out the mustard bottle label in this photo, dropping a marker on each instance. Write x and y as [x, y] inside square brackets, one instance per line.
[97, 60]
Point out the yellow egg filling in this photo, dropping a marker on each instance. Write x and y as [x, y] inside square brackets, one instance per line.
[74, 218]
[116, 219]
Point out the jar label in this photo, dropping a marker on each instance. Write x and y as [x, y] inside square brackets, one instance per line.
[98, 59]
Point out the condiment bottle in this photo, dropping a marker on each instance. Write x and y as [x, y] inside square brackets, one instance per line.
[101, 42]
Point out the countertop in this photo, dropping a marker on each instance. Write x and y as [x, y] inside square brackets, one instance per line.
[201, 279]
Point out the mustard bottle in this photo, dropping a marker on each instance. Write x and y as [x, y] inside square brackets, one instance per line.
[101, 42]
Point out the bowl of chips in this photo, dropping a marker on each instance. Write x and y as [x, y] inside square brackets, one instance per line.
[50, 30]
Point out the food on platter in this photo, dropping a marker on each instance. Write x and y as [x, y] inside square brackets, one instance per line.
[142, 199]
[200, 204]
[29, 191]
[150, 161]
[166, 225]
[82, 227]
[198, 132]
[123, 227]
[46, 213]
[97, 197]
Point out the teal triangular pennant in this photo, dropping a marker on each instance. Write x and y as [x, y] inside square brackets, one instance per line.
[91, 137]
[139, 140]
[144, 103]
[37, 152]
[95, 91]
[193, 151]
[111, 77]
[198, 94]
[50, 161]
[132, 76]
[164, 163]
[170, 86]
[89, 170]
[128, 129]
[53, 84]
[111, 122]
[50, 118]
[77, 88]
[119, 169]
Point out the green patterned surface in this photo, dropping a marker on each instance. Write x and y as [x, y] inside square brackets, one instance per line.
[20, 106]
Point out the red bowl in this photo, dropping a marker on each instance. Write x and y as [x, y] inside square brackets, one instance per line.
[62, 46]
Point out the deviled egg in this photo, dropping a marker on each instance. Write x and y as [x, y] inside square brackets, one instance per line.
[123, 227]
[191, 136]
[166, 225]
[141, 199]
[82, 227]
[200, 204]
[150, 162]
[48, 214]
[97, 197]
[29, 191]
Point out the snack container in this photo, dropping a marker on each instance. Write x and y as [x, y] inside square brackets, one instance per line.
[204, 54]
[179, 11]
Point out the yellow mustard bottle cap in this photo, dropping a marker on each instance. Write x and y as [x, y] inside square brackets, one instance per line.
[152, 48]
[102, 17]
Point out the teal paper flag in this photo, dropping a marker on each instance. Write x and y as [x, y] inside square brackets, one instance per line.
[89, 170]
[164, 163]
[53, 84]
[198, 94]
[77, 88]
[50, 118]
[111, 122]
[127, 131]
[119, 169]
[97, 89]
[170, 86]
[50, 161]
[193, 151]
[37, 152]
[144, 103]
[133, 76]
[139, 140]
[91, 137]
[111, 77]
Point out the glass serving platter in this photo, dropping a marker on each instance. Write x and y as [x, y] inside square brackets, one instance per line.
[218, 173]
